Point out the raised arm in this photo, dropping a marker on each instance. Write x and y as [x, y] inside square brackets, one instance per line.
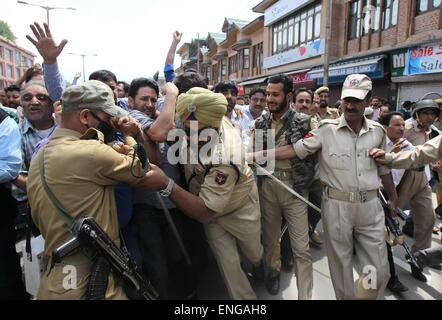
[47, 48]
[169, 72]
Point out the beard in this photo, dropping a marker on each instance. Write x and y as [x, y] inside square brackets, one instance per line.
[230, 105]
[280, 107]
[323, 104]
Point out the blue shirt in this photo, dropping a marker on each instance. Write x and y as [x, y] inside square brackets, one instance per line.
[54, 81]
[10, 146]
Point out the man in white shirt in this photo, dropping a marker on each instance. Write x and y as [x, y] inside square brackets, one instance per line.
[394, 124]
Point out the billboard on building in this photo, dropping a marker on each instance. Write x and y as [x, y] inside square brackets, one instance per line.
[424, 59]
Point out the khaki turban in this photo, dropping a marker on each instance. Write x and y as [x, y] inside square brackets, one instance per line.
[207, 107]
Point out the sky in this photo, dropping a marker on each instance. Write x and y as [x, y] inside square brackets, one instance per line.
[130, 37]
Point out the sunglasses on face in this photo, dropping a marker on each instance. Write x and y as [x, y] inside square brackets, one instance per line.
[41, 97]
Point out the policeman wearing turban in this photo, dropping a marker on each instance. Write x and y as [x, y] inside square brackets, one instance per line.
[221, 177]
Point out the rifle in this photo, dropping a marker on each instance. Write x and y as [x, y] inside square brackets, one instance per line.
[395, 229]
[87, 233]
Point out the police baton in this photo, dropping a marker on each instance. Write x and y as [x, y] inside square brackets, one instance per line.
[290, 190]
[144, 159]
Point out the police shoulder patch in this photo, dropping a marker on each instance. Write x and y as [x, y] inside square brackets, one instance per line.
[221, 178]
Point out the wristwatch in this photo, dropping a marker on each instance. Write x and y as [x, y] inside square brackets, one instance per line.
[166, 192]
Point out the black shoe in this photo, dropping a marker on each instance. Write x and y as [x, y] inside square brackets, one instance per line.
[287, 263]
[417, 273]
[258, 273]
[420, 259]
[408, 229]
[396, 286]
[272, 284]
[439, 211]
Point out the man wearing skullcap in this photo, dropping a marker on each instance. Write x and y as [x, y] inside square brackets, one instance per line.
[224, 183]
[325, 112]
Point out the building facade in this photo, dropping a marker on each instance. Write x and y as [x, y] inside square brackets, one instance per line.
[397, 43]
[14, 61]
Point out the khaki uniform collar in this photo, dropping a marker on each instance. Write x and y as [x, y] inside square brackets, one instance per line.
[366, 125]
[91, 133]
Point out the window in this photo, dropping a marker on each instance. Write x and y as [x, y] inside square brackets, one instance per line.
[1, 52]
[2, 69]
[245, 58]
[17, 73]
[427, 5]
[8, 55]
[257, 56]
[208, 73]
[17, 58]
[389, 14]
[365, 15]
[233, 64]
[215, 71]
[223, 67]
[9, 72]
[300, 28]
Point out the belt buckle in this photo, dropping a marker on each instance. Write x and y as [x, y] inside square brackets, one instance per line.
[364, 196]
[352, 197]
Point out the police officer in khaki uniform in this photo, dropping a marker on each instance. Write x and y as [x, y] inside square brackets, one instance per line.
[353, 217]
[324, 111]
[414, 187]
[81, 170]
[421, 155]
[223, 182]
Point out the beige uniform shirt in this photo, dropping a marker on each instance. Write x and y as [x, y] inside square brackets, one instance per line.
[330, 114]
[415, 135]
[428, 152]
[216, 184]
[81, 171]
[344, 160]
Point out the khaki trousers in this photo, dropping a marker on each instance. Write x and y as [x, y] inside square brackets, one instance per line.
[242, 229]
[414, 188]
[355, 226]
[277, 202]
[69, 279]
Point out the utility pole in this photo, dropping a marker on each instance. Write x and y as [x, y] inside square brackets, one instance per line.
[47, 8]
[328, 16]
[198, 54]
[83, 57]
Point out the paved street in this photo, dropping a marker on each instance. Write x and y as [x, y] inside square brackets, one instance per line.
[212, 288]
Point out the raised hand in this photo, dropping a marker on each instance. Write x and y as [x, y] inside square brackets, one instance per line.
[77, 75]
[177, 36]
[45, 44]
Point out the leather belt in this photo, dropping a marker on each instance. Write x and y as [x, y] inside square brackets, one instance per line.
[421, 169]
[357, 196]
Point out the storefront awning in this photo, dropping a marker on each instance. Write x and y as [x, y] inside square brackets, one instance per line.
[253, 81]
[338, 72]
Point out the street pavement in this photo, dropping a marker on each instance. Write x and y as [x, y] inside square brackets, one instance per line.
[211, 286]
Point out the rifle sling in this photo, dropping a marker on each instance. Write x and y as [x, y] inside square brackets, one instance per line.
[64, 214]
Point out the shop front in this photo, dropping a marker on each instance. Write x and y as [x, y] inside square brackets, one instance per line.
[417, 71]
[372, 66]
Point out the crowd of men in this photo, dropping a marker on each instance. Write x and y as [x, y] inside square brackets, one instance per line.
[268, 167]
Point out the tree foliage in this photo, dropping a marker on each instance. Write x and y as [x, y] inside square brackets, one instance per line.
[6, 32]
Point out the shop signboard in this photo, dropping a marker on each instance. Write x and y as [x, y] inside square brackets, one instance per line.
[424, 59]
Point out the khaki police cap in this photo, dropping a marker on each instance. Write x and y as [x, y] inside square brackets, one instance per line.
[93, 95]
[322, 90]
[356, 86]
[426, 104]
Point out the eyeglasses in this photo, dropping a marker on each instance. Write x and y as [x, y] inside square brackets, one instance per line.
[41, 97]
